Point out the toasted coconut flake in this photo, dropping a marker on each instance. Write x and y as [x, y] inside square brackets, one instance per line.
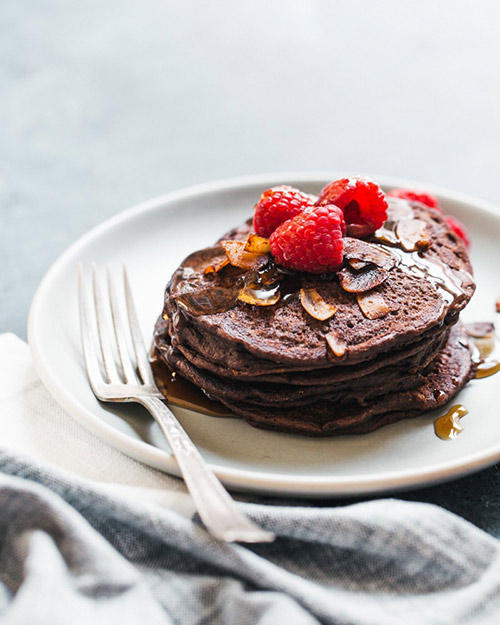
[238, 257]
[480, 329]
[336, 343]
[259, 296]
[256, 244]
[358, 264]
[386, 235]
[372, 304]
[361, 251]
[399, 209]
[365, 280]
[216, 267]
[412, 234]
[315, 305]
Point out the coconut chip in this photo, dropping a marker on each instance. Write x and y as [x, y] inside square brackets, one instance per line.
[358, 264]
[372, 304]
[364, 253]
[239, 257]
[216, 267]
[315, 305]
[336, 343]
[480, 329]
[256, 244]
[259, 296]
[412, 234]
[359, 282]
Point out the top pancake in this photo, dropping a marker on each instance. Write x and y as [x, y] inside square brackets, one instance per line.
[421, 298]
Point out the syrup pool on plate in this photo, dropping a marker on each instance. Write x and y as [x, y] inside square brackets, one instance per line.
[484, 344]
[182, 393]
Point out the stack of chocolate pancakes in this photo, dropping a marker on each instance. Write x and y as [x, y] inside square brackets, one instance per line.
[389, 348]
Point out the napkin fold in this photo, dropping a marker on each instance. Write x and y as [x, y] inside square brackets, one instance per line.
[80, 546]
[33, 423]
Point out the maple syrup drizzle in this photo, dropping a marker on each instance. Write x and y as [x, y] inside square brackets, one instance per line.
[263, 285]
[446, 280]
[448, 426]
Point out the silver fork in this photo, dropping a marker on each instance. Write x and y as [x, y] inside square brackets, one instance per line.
[135, 383]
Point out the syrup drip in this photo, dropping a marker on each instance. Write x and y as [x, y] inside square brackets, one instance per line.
[180, 392]
[486, 354]
[448, 426]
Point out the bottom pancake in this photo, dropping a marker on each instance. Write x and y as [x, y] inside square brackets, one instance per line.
[356, 410]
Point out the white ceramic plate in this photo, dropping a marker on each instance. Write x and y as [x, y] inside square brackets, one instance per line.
[151, 240]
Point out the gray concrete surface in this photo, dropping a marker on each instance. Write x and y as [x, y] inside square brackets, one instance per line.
[104, 103]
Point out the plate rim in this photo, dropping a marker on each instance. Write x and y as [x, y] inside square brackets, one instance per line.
[246, 480]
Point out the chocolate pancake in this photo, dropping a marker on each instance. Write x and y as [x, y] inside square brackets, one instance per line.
[421, 291]
[446, 376]
[418, 355]
[198, 351]
[275, 366]
[404, 375]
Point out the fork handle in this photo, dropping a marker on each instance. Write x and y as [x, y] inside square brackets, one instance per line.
[216, 508]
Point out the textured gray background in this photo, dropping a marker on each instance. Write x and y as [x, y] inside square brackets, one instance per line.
[104, 103]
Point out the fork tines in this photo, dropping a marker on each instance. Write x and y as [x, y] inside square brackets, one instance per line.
[99, 313]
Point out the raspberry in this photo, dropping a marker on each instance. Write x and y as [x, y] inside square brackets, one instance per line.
[311, 241]
[277, 205]
[458, 228]
[362, 202]
[416, 196]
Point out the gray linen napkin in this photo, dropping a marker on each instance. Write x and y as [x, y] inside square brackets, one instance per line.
[72, 553]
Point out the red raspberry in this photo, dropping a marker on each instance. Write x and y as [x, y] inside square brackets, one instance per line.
[458, 228]
[362, 201]
[311, 241]
[416, 196]
[277, 205]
